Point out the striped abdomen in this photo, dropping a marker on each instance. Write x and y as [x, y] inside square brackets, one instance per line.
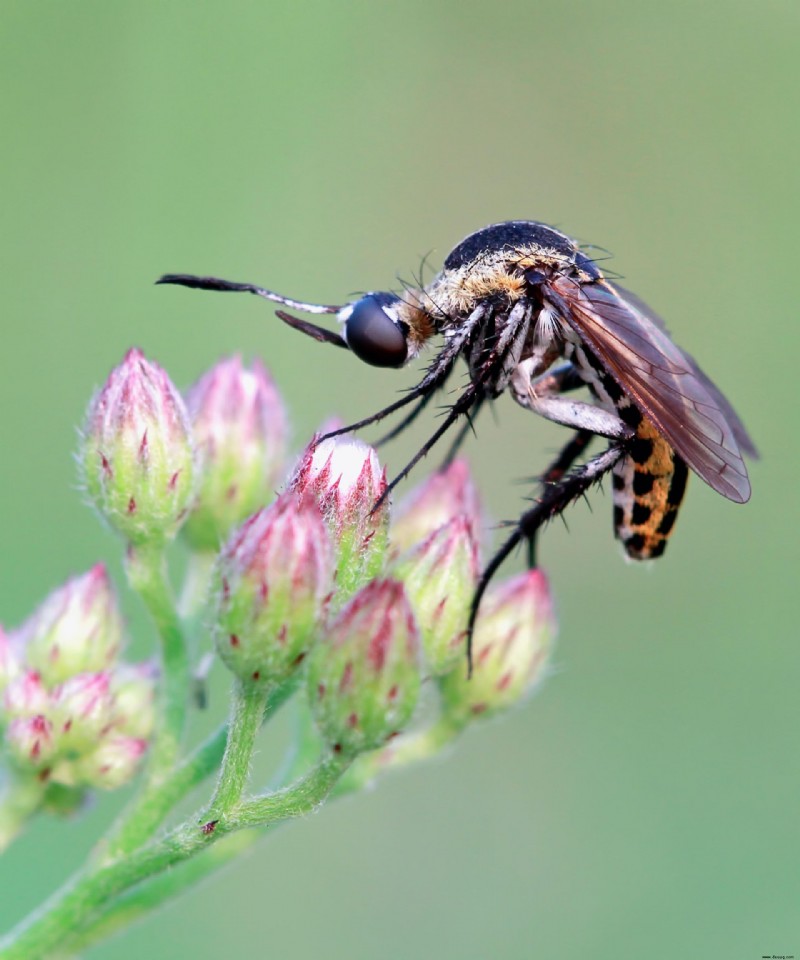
[650, 482]
[649, 485]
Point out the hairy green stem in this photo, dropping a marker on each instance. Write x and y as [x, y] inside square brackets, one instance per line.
[247, 709]
[45, 930]
[154, 803]
[146, 567]
[154, 893]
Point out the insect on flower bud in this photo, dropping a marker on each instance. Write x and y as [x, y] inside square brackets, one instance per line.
[77, 629]
[440, 576]
[364, 677]
[82, 711]
[137, 456]
[514, 635]
[239, 425]
[31, 742]
[443, 495]
[346, 480]
[112, 764]
[272, 581]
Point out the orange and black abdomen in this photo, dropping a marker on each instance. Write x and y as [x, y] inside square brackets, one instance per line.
[649, 484]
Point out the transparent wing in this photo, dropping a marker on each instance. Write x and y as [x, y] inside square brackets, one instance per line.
[667, 385]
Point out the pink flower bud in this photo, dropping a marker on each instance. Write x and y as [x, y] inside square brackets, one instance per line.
[364, 677]
[346, 480]
[112, 764]
[443, 495]
[137, 454]
[240, 429]
[272, 581]
[82, 711]
[31, 742]
[440, 576]
[77, 629]
[513, 638]
[25, 696]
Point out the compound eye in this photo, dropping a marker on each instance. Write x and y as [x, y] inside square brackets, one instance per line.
[373, 336]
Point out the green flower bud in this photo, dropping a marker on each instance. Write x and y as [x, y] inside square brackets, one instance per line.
[136, 456]
[344, 477]
[113, 764]
[364, 677]
[239, 425]
[77, 629]
[443, 495]
[31, 742]
[133, 688]
[440, 577]
[272, 582]
[513, 637]
[82, 712]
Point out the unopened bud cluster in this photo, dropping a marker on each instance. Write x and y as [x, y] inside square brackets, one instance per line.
[321, 579]
[73, 714]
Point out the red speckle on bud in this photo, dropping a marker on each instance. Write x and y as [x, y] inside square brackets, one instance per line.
[113, 763]
[31, 742]
[240, 429]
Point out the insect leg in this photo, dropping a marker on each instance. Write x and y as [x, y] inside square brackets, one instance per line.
[554, 499]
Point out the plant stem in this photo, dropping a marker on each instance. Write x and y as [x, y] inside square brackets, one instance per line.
[147, 574]
[88, 893]
[154, 803]
[247, 710]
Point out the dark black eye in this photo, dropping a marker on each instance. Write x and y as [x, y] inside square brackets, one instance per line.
[373, 336]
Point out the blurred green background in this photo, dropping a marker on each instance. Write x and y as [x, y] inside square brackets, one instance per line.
[645, 803]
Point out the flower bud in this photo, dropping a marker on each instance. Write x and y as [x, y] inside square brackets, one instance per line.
[364, 677]
[137, 454]
[443, 495]
[272, 581]
[25, 696]
[346, 480]
[31, 742]
[112, 764]
[239, 425]
[82, 711]
[513, 637]
[133, 687]
[440, 577]
[77, 629]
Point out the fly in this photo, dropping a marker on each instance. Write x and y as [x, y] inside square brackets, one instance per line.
[532, 315]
